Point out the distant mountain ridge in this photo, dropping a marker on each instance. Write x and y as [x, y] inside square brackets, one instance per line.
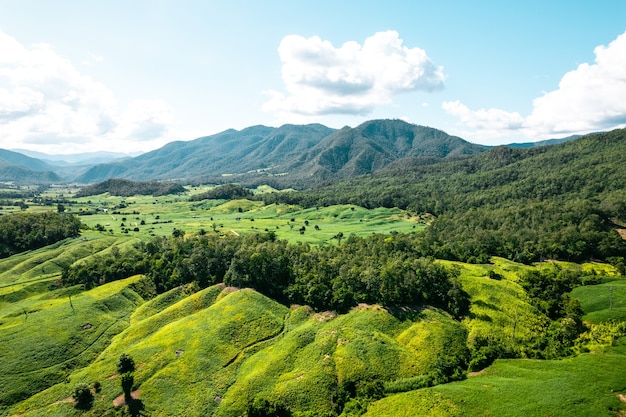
[84, 158]
[301, 154]
[21, 169]
[297, 156]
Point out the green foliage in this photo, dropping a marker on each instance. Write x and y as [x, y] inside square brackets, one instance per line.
[224, 192]
[127, 188]
[525, 205]
[74, 337]
[262, 407]
[106, 267]
[83, 397]
[126, 381]
[588, 384]
[125, 364]
[27, 231]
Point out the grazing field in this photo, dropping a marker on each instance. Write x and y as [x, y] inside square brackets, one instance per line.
[586, 385]
[603, 302]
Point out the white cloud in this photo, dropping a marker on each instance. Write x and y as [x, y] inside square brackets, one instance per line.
[589, 98]
[46, 101]
[321, 79]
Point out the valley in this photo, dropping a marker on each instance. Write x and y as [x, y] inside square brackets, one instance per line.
[482, 283]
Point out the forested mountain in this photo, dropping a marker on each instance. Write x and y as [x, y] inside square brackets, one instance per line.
[543, 142]
[372, 146]
[288, 155]
[229, 152]
[563, 201]
[16, 158]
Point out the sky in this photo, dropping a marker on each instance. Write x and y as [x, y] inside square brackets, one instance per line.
[130, 76]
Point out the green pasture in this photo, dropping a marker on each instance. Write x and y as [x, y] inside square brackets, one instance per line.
[211, 351]
[586, 385]
[145, 216]
[603, 302]
[44, 337]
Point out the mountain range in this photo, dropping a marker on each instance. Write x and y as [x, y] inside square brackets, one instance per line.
[286, 156]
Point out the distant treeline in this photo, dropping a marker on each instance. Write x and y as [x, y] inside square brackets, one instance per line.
[20, 232]
[223, 192]
[127, 188]
[378, 269]
[558, 201]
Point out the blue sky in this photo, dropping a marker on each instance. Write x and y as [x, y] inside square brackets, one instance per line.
[130, 76]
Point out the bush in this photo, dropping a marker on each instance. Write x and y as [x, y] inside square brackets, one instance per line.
[83, 396]
[125, 364]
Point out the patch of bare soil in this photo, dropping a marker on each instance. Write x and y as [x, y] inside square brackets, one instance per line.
[120, 401]
[476, 373]
[65, 400]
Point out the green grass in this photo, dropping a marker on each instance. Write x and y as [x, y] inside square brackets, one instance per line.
[595, 300]
[43, 340]
[586, 385]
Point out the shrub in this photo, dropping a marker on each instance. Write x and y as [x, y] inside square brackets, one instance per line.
[83, 396]
[125, 364]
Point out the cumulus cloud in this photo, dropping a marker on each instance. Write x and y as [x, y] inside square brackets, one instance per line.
[321, 79]
[589, 98]
[45, 100]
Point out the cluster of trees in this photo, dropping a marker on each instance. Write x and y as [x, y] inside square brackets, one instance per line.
[20, 232]
[104, 268]
[559, 201]
[388, 270]
[127, 188]
[224, 192]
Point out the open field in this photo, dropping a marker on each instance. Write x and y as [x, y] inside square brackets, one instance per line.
[146, 216]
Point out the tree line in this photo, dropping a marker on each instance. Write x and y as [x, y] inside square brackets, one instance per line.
[387, 270]
[24, 231]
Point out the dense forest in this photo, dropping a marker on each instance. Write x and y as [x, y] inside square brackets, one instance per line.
[565, 201]
[223, 192]
[20, 232]
[126, 188]
[380, 269]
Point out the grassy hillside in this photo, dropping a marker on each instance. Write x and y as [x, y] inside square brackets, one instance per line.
[587, 385]
[216, 351]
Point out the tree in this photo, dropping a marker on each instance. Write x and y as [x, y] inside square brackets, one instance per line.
[125, 364]
[82, 396]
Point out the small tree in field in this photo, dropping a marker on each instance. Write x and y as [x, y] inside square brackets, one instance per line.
[125, 364]
[83, 396]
